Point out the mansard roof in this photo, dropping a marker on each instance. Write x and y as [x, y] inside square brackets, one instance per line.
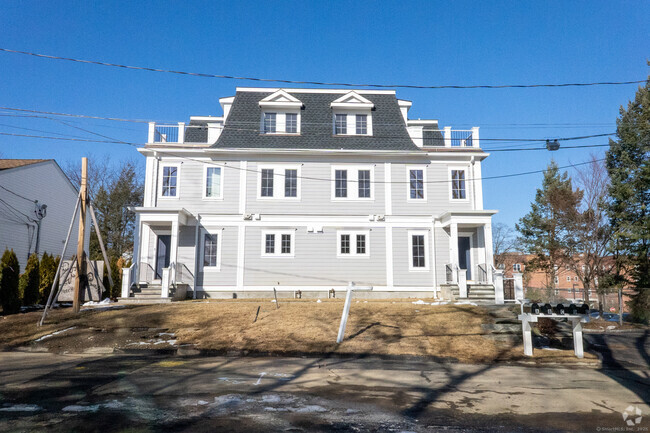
[242, 127]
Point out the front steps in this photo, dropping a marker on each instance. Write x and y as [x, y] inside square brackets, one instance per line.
[483, 293]
[146, 294]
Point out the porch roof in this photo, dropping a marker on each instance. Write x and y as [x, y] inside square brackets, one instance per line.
[153, 214]
[467, 217]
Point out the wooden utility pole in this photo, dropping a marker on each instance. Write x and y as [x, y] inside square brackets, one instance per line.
[80, 281]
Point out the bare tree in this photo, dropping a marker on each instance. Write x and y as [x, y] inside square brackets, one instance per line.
[504, 241]
[591, 234]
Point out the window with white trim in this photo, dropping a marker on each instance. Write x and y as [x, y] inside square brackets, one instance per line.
[213, 183]
[210, 242]
[568, 278]
[278, 243]
[340, 124]
[353, 182]
[169, 181]
[279, 181]
[458, 185]
[516, 267]
[362, 124]
[416, 184]
[418, 245]
[353, 243]
[270, 125]
[352, 123]
[291, 123]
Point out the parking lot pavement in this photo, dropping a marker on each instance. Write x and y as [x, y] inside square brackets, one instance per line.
[42, 391]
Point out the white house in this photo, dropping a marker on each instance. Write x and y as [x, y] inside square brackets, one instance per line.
[35, 192]
[309, 189]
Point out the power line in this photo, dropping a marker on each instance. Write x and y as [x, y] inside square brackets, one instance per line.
[17, 195]
[544, 148]
[321, 83]
[16, 210]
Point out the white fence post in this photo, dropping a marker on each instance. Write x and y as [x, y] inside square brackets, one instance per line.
[164, 291]
[346, 308]
[126, 281]
[181, 132]
[519, 285]
[498, 287]
[462, 283]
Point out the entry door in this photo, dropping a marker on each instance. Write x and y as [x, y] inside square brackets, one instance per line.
[464, 255]
[162, 254]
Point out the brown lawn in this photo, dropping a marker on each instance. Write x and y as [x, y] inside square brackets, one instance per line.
[375, 327]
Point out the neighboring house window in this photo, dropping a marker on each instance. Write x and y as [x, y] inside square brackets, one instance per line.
[270, 123]
[341, 183]
[557, 280]
[575, 278]
[458, 184]
[291, 123]
[516, 267]
[416, 184]
[267, 182]
[418, 247]
[362, 124]
[353, 243]
[291, 182]
[340, 124]
[210, 250]
[169, 181]
[277, 243]
[568, 278]
[213, 182]
[364, 183]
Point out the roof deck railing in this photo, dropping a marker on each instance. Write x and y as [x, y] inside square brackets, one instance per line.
[448, 137]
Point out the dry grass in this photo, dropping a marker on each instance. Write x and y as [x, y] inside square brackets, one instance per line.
[299, 326]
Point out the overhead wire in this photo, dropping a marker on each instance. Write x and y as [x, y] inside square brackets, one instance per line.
[320, 83]
[17, 195]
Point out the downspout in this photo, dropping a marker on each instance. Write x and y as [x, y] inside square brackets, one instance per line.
[197, 251]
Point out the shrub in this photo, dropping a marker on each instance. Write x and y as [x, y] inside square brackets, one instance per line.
[30, 281]
[47, 270]
[9, 275]
[640, 306]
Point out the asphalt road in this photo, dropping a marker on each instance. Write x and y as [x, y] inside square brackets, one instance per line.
[622, 350]
[115, 393]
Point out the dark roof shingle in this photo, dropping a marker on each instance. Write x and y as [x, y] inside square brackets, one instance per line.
[243, 123]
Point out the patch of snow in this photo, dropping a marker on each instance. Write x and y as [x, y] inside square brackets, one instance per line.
[79, 408]
[54, 333]
[21, 408]
[319, 301]
[275, 409]
[310, 408]
[115, 404]
[611, 327]
[420, 302]
[465, 303]
[233, 381]
[273, 300]
[548, 348]
[365, 302]
[102, 302]
[167, 333]
[228, 400]
[349, 411]
[202, 402]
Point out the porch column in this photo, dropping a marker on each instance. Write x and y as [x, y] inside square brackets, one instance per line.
[143, 259]
[453, 244]
[173, 254]
[489, 253]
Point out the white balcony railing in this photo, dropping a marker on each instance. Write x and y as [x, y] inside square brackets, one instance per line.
[448, 137]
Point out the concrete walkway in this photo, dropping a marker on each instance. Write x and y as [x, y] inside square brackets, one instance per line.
[148, 393]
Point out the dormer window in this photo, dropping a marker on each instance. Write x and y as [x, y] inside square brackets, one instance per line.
[280, 114]
[352, 115]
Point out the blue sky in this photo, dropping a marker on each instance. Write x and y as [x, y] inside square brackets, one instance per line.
[369, 42]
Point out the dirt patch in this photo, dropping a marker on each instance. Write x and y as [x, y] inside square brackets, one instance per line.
[443, 332]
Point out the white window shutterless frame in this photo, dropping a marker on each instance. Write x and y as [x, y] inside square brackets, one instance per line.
[169, 181]
[213, 182]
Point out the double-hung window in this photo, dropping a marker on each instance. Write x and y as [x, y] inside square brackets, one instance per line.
[362, 124]
[210, 244]
[270, 123]
[340, 183]
[277, 243]
[458, 185]
[291, 123]
[353, 244]
[352, 182]
[418, 246]
[516, 267]
[364, 183]
[340, 124]
[213, 182]
[416, 184]
[290, 182]
[279, 181]
[267, 182]
[169, 181]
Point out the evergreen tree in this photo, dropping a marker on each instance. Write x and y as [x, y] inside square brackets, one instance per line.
[47, 270]
[544, 230]
[628, 165]
[9, 276]
[30, 281]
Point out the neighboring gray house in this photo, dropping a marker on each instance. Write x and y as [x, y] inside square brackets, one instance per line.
[22, 183]
[309, 189]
